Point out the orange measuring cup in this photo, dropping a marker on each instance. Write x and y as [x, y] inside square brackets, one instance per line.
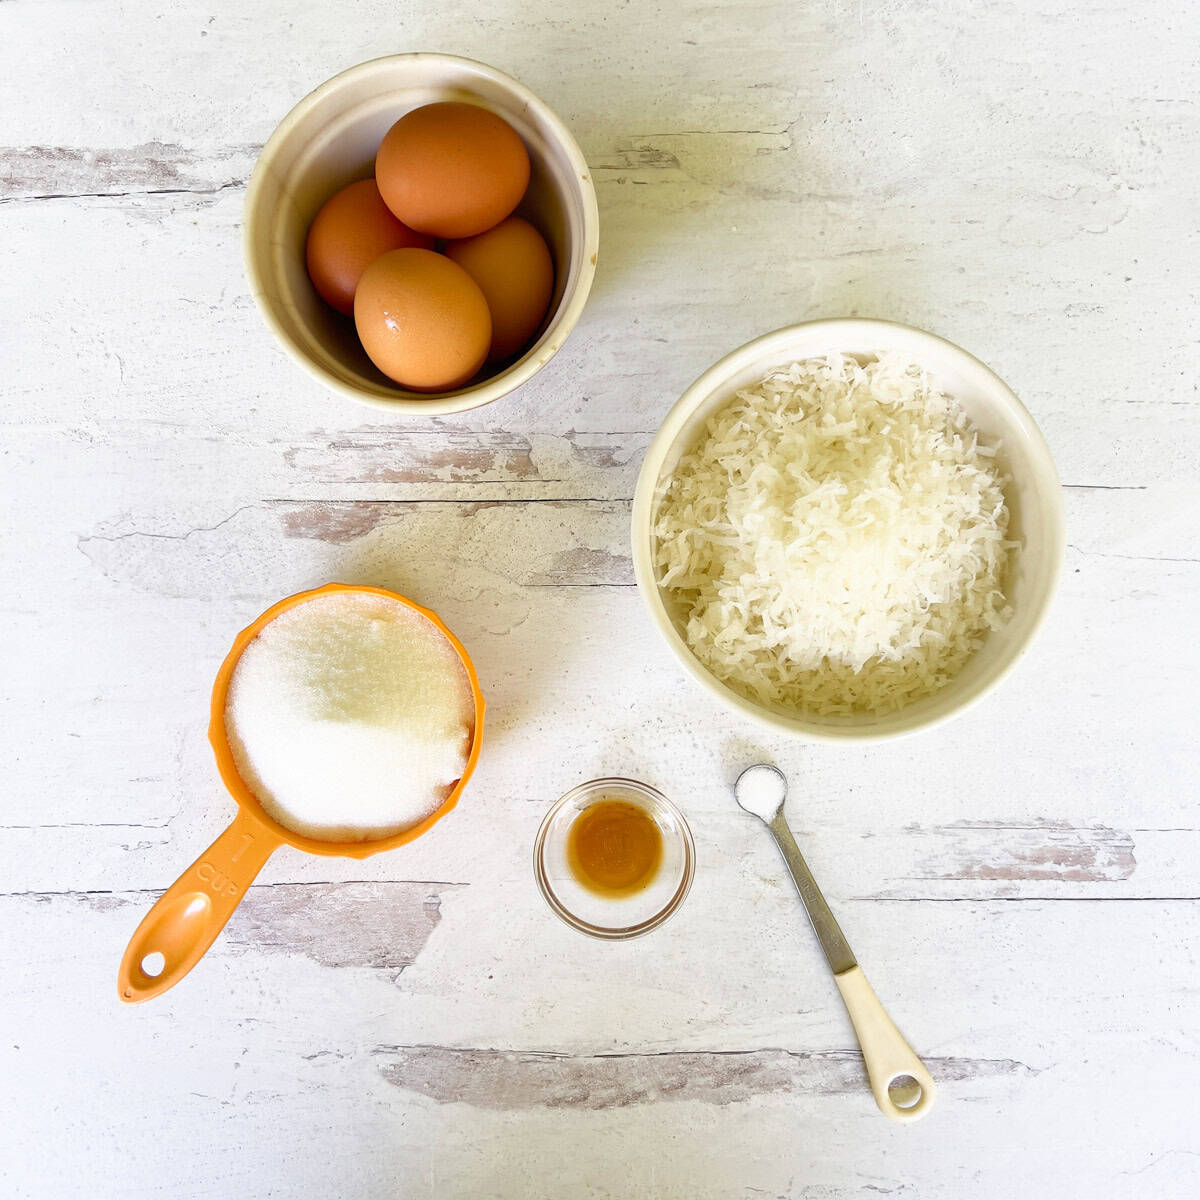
[191, 913]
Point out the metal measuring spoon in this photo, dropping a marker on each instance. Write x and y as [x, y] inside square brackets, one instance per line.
[902, 1087]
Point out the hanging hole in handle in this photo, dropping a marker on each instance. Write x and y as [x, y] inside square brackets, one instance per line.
[153, 964]
[904, 1091]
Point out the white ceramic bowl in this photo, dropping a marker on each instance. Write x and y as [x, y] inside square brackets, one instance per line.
[1034, 501]
[329, 140]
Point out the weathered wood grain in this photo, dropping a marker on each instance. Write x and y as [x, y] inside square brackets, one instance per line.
[1044, 850]
[383, 926]
[516, 1081]
[69, 172]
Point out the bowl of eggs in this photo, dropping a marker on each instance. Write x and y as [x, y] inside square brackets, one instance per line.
[420, 233]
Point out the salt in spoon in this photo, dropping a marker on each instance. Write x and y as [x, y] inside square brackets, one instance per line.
[902, 1087]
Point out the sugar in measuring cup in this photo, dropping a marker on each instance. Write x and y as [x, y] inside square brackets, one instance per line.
[178, 930]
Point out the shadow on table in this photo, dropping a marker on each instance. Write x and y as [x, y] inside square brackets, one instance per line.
[523, 639]
[762, 225]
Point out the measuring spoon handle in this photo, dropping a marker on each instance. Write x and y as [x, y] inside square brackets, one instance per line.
[193, 910]
[888, 1057]
[833, 941]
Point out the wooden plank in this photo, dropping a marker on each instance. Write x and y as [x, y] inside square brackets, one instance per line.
[1141, 410]
[540, 593]
[753, 982]
[693, 1050]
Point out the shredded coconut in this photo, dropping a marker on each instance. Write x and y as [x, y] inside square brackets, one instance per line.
[350, 717]
[837, 542]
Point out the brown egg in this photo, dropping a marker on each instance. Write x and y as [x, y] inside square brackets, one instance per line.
[514, 271]
[452, 170]
[353, 228]
[422, 320]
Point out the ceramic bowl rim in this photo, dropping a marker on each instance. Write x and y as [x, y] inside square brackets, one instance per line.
[772, 348]
[570, 307]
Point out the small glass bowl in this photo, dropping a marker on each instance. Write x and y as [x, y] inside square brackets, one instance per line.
[604, 916]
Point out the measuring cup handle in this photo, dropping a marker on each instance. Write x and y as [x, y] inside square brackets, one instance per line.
[190, 913]
[887, 1055]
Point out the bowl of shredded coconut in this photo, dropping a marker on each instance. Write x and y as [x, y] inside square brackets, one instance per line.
[848, 529]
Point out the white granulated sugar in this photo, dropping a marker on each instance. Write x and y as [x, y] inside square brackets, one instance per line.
[350, 717]
[837, 541]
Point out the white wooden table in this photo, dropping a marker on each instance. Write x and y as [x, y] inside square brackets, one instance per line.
[1021, 885]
